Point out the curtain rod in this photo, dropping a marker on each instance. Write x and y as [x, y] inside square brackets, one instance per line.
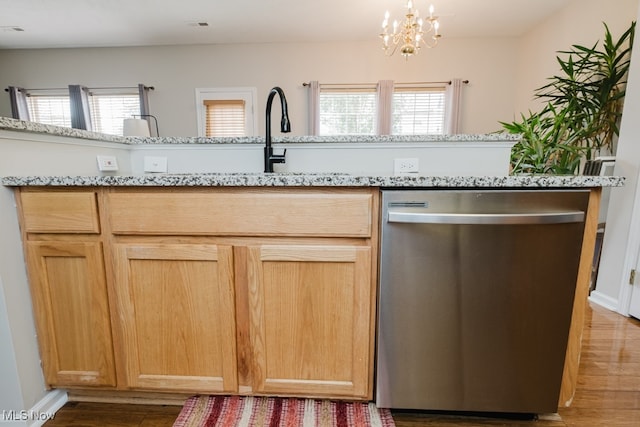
[41, 89]
[305, 84]
[123, 87]
[67, 88]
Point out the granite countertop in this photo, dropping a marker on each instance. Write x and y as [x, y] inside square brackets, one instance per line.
[23, 126]
[316, 180]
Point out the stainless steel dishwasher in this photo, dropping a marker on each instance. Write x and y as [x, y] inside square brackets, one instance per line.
[476, 295]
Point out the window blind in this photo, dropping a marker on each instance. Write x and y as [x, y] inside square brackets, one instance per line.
[50, 109]
[225, 117]
[418, 111]
[348, 110]
[108, 111]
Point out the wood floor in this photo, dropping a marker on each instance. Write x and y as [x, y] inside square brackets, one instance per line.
[608, 390]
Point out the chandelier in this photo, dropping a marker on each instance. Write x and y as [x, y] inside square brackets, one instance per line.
[411, 34]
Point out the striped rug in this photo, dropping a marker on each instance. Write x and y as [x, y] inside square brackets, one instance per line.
[238, 411]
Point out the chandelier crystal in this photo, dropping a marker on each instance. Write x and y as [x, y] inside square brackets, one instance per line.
[411, 34]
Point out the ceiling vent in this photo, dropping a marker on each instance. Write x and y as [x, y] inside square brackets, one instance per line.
[202, 24]
[11, 28]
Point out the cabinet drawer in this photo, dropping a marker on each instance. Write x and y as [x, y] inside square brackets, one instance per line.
[243, 212]
[60, 212]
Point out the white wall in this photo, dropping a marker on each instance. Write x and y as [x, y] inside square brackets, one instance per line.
[580, 22]
[175, 71]
[622, 236]
[19, 352]
[11, 391]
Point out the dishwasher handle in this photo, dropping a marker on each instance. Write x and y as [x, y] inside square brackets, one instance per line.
[562, 217]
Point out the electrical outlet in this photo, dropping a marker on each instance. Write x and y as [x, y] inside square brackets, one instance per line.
[404, 166]
[107, 163]
[155, 164]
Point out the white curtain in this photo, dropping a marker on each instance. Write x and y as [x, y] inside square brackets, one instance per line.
[385, 101]
[314, 107]
[453, 95]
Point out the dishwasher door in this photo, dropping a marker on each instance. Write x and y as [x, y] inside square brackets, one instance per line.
[476, 295]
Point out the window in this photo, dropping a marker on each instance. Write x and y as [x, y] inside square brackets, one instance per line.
[226, 111]
[347, 110]
[50, 109]
[418, 111]
[224, 117]
[108, 110]
[107, 107]
[384, 108]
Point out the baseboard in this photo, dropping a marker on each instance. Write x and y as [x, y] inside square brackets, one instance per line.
[604, 300]
[46, 407]
[43, 411]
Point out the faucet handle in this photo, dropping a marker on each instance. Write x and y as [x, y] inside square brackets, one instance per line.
[279, 158]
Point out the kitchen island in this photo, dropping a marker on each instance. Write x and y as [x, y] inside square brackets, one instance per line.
[284, 249]
[126, 234]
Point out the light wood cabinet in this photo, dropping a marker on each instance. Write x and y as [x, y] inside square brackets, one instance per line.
[60, 212]
[237, 291]
[310, 318]
[243, 212]
[176, 302]
[68, 283]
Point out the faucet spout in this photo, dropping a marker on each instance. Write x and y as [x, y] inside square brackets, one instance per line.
[285, 126]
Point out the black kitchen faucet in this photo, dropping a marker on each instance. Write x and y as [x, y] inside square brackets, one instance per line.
[285, 126]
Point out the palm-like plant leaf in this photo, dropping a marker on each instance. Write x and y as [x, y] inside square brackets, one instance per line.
[583, 110]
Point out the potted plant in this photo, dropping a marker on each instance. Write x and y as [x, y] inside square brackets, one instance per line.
[582, 114]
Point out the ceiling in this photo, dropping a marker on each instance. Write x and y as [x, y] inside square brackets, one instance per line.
[99, 23]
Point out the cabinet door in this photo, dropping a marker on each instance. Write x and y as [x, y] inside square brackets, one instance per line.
[176, 302]
[72, 313]
[311, 319]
